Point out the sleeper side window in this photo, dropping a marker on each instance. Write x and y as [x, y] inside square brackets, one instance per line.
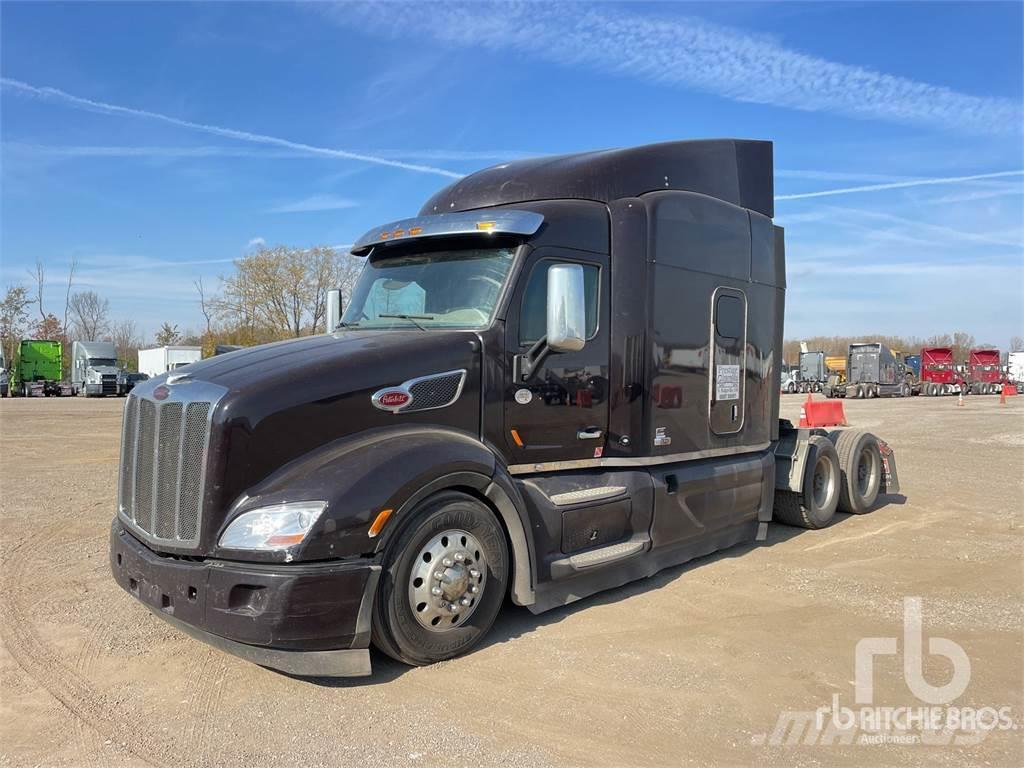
[533, 313]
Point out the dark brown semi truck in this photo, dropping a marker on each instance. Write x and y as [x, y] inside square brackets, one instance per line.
[560, 377]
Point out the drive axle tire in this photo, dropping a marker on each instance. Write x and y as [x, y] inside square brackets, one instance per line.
[443, 581]
[816, 505]
[860, 464]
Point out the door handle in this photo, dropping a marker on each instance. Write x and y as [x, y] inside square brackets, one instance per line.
[590, 433]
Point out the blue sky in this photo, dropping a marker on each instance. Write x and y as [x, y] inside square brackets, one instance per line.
[154, 143]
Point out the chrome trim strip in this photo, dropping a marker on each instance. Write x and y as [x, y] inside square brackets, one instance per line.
[637, 461]
[406, 387]
[503, 221]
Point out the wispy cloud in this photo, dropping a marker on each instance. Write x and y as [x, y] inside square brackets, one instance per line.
[900, 185]
[172, 152]
[78, 102]
[315, 203]
[690, 53]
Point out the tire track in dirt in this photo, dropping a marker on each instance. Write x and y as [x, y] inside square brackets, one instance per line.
[41, 663]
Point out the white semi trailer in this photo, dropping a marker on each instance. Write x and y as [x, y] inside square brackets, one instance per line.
[160, 360]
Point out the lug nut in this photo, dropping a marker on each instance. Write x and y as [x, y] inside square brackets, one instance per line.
[474, 588]
[474, 573]
[459, 557]
[447, 562]
[453, 608]
[464, 601]
[437, 575]
[435, 590]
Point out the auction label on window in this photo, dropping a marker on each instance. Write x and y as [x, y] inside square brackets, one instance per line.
[727, 382]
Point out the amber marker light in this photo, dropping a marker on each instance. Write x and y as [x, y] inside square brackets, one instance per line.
[379, 522]
[415, 230]
[486, 226]
[517, 438]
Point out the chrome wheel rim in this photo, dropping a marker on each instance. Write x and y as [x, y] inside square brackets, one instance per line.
[447, 580]
[823, 483]
[866, 472]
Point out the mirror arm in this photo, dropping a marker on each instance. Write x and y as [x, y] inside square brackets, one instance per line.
[526, 364]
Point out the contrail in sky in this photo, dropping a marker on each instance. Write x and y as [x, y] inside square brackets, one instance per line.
[230, 133]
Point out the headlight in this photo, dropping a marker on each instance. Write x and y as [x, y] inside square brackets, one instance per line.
[279, 527]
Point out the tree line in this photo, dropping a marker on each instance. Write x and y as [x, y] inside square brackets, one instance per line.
[280, 292]
[960, 342]
[273, 293]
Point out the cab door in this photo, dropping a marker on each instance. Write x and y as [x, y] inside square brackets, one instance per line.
[559, 411]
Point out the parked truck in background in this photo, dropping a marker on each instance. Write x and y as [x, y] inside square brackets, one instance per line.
[94, 368]
[835, 382]
[38, 369]
[160, 360]
[483, 421]
[873, 370]
[813, 373]
[938, 373]
[984, 372]
[1015, 368]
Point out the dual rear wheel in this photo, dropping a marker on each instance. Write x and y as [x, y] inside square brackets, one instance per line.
[842, 472]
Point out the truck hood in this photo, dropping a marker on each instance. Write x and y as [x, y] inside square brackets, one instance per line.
[281, 401]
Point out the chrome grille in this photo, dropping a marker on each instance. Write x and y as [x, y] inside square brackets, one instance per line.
[435, 391]
[163, 461]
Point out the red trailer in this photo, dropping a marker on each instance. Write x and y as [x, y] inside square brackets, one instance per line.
[938, 373]
[984, 376]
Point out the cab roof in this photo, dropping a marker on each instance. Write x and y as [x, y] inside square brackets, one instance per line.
[736, 171]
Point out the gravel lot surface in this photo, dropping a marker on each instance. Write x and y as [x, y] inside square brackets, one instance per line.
[690, 667]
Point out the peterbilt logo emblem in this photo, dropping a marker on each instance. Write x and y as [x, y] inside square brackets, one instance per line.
[392, 400]
[161, 392]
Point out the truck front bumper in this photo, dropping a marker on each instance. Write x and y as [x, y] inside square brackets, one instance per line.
[302, 619]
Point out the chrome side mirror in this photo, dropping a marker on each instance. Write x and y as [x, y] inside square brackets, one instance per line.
[567, 315]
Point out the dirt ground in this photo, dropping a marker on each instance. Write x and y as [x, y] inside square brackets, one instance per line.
[691, 667]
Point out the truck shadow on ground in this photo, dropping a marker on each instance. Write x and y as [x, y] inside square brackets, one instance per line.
[515, 621]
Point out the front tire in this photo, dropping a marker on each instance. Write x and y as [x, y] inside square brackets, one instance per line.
[443, 581]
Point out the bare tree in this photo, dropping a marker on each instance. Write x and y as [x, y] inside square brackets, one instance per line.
[72, 268]
[39, 277]
[13, 318]
[281, 291]
[90, 313]
[205, 305]
[125, 336]
[1017, 343]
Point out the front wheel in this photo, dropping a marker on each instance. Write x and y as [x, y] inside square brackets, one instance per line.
[443, 582]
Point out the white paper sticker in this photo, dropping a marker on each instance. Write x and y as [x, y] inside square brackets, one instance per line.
[727, 382]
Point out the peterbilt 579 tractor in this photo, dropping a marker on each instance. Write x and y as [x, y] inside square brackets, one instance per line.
[561, 376]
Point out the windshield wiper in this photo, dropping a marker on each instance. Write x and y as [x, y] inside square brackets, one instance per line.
[411, 318]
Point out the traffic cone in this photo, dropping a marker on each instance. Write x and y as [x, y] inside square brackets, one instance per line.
[803, 411]
[960, 400]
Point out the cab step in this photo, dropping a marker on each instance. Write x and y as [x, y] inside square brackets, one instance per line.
[602, 556]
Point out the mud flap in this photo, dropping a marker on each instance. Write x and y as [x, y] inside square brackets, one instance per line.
[890, 479]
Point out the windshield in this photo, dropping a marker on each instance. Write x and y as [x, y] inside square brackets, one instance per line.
[436, 289]
[98, 362]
